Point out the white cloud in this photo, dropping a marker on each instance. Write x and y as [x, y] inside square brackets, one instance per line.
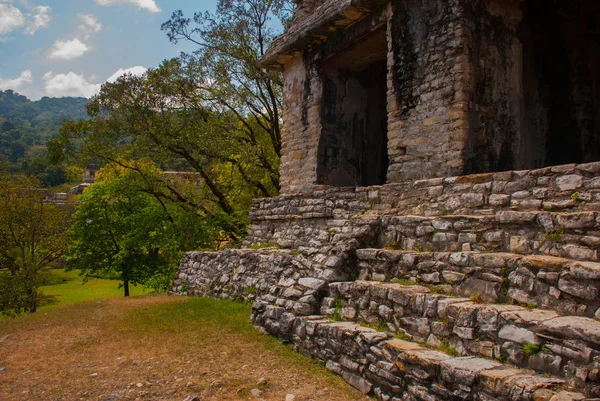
[11, 18]
[148, 5]
[41, 19]
[89, 25]
[73, 84]
[137, 70]
[67, 49]
[69, 84]
[70, 49]
[24, 78]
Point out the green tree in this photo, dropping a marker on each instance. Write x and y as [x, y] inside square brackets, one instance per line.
[160, 116]
[213, 112]
[33, 236]
[123, 231]
[230, 43]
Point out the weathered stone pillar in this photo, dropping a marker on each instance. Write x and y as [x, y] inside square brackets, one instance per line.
[429, 77]
[302, 126]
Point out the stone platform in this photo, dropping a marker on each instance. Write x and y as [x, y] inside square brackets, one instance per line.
[481, 287]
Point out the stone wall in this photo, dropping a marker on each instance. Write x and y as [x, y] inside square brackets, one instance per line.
[301, 99]
[289, 289]
[482, 211]
[472, 87]
[475, 278]
[566, 343]
[567, 286]
[428, 96]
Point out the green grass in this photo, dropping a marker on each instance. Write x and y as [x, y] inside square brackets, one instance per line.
[448, 349]
[184, 335]
[532, 349]
[61, 288]
[206, 316]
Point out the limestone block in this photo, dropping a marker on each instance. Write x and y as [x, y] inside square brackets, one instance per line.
[313, 283]
[494, 236]
[464, 370]
[509, 216]
[466, 333]
[542, 394]
[572, 327]
[358, 382]
[431, 278]
[546, 362]
[459, 258]
[452, 276]
[472, 200]
[518, 334]
[519, 244]
[499, 200]
[568, 396]
[487, 290]
[416, 325]
[493, 379]
[274, 312]
[569, 182]
[578, 289]
[423, 364]
[579, 252]
[576, 220]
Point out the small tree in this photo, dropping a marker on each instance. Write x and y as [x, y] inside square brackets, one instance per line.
[33, 236]
[124, 231]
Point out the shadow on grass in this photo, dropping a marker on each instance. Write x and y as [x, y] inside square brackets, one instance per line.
[47, 300]
[50, 277]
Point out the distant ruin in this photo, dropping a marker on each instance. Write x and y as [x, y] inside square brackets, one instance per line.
[438, 233]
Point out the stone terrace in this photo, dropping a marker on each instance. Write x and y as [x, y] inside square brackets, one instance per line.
[481, 287]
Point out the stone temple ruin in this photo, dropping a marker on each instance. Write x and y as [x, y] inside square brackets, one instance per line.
[438, 231]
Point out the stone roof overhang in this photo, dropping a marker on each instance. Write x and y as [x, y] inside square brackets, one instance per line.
[316, 28]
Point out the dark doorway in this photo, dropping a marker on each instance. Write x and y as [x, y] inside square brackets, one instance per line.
[561, 82]
[353, 144]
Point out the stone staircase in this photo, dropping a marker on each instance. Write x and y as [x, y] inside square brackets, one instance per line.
[480, 287]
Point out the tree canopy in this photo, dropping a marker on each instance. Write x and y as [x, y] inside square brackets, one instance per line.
[213, 112]
[25, 129]
[123, 231]
[33, 236]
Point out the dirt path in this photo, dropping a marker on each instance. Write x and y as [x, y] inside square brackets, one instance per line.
[153, 348]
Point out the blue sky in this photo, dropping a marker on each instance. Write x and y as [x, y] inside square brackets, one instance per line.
[69, 47]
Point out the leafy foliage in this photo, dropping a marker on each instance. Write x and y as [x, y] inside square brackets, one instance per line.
[33, 236]
[125, 232]
[25, 129]
[213, 112]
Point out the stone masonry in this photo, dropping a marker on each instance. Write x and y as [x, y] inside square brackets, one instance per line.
[438, 233]
[466, 87]
[480, 287]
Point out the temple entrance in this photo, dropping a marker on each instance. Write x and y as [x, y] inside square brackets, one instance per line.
[353, 144]
[561, 82]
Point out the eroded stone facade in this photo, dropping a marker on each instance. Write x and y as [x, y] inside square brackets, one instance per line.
[381, 92]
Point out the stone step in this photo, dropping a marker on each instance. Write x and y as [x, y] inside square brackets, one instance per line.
[303, 218]
[568, 286]
[566, 346]
[392, 369]
[571, 235]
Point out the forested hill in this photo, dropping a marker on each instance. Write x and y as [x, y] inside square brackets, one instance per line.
[26, 127]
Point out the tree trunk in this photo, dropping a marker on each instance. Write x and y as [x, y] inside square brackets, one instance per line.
[31, 294]
[126, 287]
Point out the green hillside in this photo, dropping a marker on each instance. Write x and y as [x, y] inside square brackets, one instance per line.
[26, 127]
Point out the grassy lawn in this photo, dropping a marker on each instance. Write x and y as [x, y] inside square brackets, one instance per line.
[154, 348]
[64, 288]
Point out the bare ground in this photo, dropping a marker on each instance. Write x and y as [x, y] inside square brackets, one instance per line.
[154, 348]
